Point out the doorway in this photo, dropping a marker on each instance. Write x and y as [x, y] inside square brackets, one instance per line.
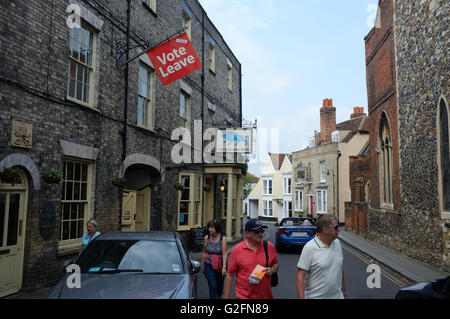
[136, 209]
[13, 207]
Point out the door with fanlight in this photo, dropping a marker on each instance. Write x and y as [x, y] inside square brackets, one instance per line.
[12, 236]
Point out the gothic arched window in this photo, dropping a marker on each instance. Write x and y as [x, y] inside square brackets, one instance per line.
[385, 161]
[444, 151]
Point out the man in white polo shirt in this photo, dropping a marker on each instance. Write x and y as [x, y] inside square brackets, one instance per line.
[320, 274]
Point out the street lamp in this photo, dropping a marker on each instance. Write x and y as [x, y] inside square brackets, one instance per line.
[222, 187]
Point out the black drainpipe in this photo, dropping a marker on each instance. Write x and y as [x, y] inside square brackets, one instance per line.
[125, 114]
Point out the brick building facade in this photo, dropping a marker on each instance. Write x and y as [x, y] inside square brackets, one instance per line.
[64, 107]
[407, 85]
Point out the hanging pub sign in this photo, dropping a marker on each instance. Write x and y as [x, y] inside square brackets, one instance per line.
[174, 59]
[237, 140]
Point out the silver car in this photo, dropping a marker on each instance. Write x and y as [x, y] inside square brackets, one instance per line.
[130, 265]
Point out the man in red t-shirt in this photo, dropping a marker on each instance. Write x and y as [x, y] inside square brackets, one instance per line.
[243, 259]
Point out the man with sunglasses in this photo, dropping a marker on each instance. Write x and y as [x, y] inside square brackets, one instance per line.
[243, 259]
[320, 274]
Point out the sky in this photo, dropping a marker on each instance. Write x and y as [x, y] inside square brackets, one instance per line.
[294, 54]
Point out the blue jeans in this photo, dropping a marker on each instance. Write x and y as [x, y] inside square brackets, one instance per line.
[215, 282]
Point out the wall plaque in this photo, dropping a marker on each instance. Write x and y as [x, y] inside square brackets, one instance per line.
[21, 133]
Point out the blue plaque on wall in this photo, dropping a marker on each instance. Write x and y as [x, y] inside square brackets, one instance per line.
[47, 220]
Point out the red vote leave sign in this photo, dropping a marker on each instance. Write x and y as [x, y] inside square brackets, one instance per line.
[174, 59]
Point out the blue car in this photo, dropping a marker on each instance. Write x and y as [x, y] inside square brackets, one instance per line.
[294, 232]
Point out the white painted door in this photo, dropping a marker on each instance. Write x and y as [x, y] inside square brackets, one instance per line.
[12, 216]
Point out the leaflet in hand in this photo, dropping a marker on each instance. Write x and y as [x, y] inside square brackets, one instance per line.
[257, 275]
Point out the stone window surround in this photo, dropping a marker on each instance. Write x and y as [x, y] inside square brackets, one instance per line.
[384, 123]
[442, 98]
[83, 152]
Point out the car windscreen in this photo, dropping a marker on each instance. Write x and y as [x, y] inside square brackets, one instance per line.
[296, 222]
[146, 256]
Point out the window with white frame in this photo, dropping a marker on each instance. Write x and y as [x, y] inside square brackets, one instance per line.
[74, 200]
[323, 171]
[81, 65]
[299, 200]
[190, 201]
[229, 75]
[212, 55]
[321, 201]
[287, 185]
[184, 110]
[267, 208]
[145, 87]
[335, 137]
[267, 186]
[187, 20]
[312, 142]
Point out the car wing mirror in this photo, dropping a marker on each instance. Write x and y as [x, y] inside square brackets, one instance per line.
[195, 266]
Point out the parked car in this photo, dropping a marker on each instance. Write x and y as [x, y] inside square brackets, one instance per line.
[437, 289]
[128, 265]
[294, 232]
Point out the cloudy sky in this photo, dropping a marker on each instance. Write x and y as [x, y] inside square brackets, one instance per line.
[294, 54]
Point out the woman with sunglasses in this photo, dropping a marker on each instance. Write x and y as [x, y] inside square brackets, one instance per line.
[244, 259]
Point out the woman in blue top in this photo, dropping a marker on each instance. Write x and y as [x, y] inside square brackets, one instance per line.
[90, 234]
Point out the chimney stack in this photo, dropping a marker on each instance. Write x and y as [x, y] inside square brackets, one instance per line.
[357, 112]
[327, 121]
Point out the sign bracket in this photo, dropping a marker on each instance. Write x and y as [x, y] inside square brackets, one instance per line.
[120, 51]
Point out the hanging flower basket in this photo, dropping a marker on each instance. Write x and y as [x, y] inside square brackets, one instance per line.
[10, 176]
[179, 186]
[52, 177]
[207, 187]
[119, 182]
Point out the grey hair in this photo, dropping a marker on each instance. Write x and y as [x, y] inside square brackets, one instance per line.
[324, 221]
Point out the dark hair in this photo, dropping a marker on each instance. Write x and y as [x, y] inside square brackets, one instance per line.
[214, 223]
[324, 221]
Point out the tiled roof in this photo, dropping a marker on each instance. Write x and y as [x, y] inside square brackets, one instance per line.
[278, 158]
[354, 126]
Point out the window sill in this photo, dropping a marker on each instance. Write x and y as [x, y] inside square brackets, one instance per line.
[145, 129]
[80, 103]
[67, 250]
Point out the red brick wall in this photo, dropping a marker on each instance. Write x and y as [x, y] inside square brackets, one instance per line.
[382, 97]
[327, 121]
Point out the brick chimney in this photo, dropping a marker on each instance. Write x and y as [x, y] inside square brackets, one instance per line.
[327, 121]
[357, 112]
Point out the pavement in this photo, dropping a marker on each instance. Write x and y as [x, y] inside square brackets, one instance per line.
[408, 267]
